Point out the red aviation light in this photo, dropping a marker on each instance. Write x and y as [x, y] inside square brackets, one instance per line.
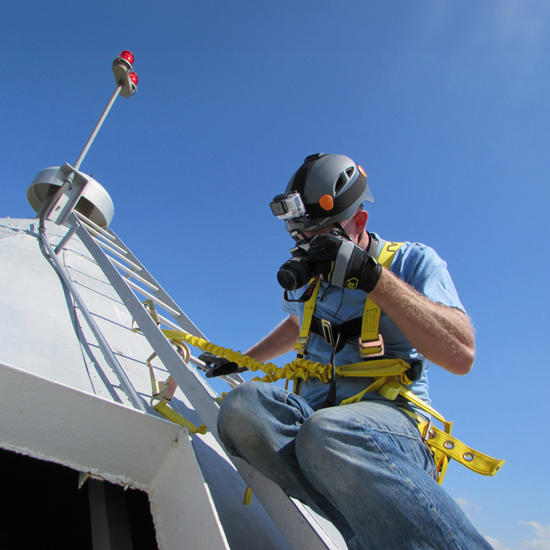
[128, 56]
[134, 78]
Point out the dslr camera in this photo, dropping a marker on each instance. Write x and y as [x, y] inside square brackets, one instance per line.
[297, 271]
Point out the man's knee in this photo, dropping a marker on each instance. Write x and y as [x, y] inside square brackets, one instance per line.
[244, 413]
[316, 438]
[236, 410]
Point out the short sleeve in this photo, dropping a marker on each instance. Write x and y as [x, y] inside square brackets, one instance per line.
[421, 267]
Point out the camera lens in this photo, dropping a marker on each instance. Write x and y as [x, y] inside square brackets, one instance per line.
[294, 273]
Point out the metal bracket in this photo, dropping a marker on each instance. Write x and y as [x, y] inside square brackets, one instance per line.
[328, 335]
[66, 203]
[372, 348]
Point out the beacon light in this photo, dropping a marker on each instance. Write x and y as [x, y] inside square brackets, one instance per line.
[133, 77]
[128, 56]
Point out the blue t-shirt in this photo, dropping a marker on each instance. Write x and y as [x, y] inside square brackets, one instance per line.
[416, 264]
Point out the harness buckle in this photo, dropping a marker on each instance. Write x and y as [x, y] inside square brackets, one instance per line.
[328, 335]
[301, 344]
[372, 348]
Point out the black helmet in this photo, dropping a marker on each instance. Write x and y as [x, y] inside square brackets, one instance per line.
[326, 189]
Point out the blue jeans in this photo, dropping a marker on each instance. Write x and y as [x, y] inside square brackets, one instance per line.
[363, 466]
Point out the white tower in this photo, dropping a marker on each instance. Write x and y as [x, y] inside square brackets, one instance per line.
[78, 354]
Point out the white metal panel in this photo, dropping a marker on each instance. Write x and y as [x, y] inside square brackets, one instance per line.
[180, 521]
[35, 318]
[93, 435]
[33, 302]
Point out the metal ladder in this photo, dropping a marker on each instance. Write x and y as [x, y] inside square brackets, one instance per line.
[129, 277]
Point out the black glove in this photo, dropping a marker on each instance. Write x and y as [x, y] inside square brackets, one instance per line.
[343, 263]
[220, 365]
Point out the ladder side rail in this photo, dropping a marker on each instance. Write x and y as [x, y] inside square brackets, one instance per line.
[101, 341]
[111, 239]
[299, 532]
[148, 280]
[193, 385]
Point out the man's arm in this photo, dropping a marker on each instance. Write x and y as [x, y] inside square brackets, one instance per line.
[278, 342]
[442, 334]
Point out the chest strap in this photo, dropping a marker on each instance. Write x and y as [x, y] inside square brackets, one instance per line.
[330, 332]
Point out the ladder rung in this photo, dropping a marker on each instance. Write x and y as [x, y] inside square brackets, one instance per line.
[170, 324]
[93, 225]
[134, 275]
[109, 245]
[117, 254]
[154, 298]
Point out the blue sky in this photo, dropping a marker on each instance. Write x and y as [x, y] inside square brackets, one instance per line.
[445, 105]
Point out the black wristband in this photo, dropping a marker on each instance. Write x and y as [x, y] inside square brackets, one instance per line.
[370, 278]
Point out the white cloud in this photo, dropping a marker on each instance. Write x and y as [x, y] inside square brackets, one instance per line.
[541, 542]
[468, 507]
[520, 22]
[542, 532]
[497, 545]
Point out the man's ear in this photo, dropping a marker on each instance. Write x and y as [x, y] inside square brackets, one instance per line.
[360, 221]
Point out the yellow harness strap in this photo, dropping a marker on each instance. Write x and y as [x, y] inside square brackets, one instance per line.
[390, 376]
[371, 343]
[390, 381]
[309, 308]
[170, 414]
[162, 393]
[444, 447]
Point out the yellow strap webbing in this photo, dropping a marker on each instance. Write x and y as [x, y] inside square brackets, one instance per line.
[169, 413]
[163, 392]
[476, 461]
[247, 496]
[309, 308]
[371, 313]
[441, 443]
[390, 376]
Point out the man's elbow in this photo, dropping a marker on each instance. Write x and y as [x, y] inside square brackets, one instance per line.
[463, 361]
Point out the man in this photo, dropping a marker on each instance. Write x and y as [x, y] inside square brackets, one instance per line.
[363, 464]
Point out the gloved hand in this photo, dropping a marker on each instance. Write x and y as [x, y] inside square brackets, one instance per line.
[220, 365]
[343, 263]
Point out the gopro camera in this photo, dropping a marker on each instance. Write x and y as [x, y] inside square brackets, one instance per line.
[288, 206]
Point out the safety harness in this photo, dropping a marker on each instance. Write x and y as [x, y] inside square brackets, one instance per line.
[391, 376]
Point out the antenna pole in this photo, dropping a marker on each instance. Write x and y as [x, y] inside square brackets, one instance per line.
[126, 81]
[97, 128]
[126, 86]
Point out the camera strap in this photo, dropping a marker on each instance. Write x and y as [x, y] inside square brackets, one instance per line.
[307, 294]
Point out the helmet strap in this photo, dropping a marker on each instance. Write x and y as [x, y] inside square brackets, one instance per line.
[340, 228]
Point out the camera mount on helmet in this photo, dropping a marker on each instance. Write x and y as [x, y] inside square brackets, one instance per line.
[326, 189]
[288, 206]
